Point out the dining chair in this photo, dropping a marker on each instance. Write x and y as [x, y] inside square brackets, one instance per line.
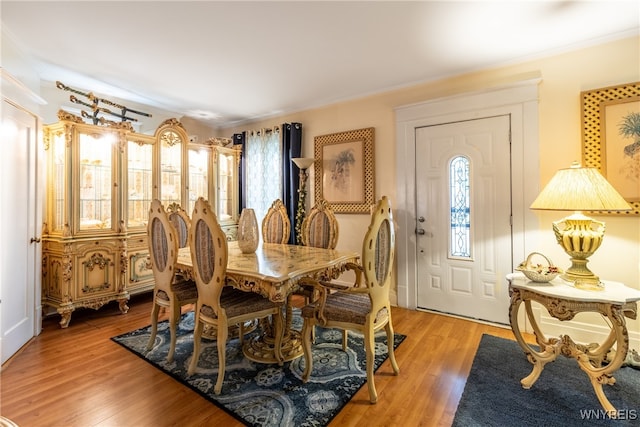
[220, 306]
[320, 226]
[181, 222]
[276, 226]
[319, 229]
[169, 291]
[365, 307]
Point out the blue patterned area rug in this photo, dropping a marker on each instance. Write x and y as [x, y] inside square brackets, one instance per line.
[562, 396]
[264, 394]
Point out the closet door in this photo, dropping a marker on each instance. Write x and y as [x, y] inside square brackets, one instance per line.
[20, 228]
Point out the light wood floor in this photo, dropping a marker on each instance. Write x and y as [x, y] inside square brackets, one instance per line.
[79, 377]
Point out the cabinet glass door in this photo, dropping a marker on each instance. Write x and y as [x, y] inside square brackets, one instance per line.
[198, 176]
[226, 176]
[170, 168]
[57, 186]
[96, 180]
[140, 183]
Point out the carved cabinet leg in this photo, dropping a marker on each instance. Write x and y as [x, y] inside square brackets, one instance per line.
[65, 314]
[122, 304]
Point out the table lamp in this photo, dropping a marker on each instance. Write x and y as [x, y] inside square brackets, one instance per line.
[579, 189]
[303, 164]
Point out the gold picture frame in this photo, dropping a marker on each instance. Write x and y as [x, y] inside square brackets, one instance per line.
[344, 170]
[605, 147]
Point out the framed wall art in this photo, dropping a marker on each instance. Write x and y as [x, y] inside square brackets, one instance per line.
[344, 170]
[611, 138]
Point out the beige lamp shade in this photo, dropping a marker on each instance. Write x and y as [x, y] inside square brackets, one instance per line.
[579, 189]
[303, 162]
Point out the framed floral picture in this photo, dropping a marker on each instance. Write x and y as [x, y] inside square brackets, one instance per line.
[611, 138]
[344, 173]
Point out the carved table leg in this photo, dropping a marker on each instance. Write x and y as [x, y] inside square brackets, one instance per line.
[549, 349]
[590, 361]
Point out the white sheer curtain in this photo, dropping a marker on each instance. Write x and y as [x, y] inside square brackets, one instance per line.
[263, 170]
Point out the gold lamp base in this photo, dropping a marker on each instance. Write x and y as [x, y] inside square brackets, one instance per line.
[580, 236]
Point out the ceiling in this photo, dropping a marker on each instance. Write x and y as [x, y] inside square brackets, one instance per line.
[232, 62]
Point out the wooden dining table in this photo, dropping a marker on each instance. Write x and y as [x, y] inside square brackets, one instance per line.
[274, 271]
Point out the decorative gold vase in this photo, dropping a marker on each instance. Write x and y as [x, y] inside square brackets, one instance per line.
[248, 236]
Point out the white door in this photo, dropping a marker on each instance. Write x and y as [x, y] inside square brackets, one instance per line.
[463, 205]
[18, 225]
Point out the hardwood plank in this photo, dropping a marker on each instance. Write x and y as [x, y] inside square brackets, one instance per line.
[79, 377]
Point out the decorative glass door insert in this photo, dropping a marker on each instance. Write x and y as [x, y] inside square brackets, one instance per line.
[170, 168]
[198, 176]
[140, 183]
[96, 180]
[226, 182]
[57, 174]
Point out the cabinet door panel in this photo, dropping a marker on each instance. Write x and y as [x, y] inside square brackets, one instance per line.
[96, 272]
[56, 272]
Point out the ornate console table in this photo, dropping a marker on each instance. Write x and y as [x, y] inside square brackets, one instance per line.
[563, 302]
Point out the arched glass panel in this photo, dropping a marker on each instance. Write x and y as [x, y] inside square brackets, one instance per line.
[460, 208]
[171, 168]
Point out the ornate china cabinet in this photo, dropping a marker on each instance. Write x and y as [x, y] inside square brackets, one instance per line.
[101, 180]
[84, 252]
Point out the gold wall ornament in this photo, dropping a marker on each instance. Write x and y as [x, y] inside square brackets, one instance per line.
[96, 109]
[110, 123]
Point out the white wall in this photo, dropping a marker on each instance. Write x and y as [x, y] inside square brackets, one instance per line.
[563, 77]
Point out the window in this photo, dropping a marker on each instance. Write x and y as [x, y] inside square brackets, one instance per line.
[460, 208]
[263, 170]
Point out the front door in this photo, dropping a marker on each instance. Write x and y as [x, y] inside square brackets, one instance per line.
[463, 205]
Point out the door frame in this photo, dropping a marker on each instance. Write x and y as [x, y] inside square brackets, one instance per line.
[20, 96]
[520, 102]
